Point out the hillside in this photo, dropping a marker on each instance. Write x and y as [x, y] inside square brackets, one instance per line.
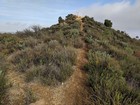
[78, 61]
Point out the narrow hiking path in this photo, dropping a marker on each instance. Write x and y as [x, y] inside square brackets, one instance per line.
[71, 92]
[79, 18]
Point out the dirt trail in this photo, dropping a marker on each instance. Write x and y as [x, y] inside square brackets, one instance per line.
[79, 18]
[71, 92]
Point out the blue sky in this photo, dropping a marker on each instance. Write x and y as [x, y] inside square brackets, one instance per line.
[19, 14]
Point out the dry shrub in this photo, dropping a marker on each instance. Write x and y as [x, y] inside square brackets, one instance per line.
[50, 63]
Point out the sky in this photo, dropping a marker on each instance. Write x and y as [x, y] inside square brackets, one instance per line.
[16, 15]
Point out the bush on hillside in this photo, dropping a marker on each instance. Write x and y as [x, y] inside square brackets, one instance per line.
[131, 67]
[29, 97]
[106, 83]
[89, 39]
[87, 20]
[70, 18]
[10, 44]
[71, 33]
[75, 25]
[33, 31]
[50, 63]
[108, 23]
[36, 29]
[25, 33]
[78, 43]
[60, 20]
[3, 84]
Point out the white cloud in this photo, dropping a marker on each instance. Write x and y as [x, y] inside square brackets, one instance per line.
[11, 27]
[124, 15]
[29, 12]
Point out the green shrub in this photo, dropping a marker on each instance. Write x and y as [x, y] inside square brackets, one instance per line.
[89, 39]
[116, 52]
[108, 33]
[54, 28]
[10, 44]
[71, 33]
[66, 27]
[108, 23]
[60, 20]
[131, 67]
[75, 25]
[70, 18]
[106, 83]
[2, 86]
[88, 20]
[129, 50]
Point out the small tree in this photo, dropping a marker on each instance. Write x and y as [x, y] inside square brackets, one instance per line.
[87, 19]
[60, 20]
[137, 37]
[36, 28]
[108, 23]
[70, 18]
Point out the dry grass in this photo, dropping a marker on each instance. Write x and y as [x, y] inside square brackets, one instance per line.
[50, 63]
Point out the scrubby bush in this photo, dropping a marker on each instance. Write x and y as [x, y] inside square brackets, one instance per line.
[3, 84]
[29, 97]
[131, 67]
[70, 18]
[54, 28]
[30, 42]
[106, 83]
[71, 33]
[25, 33]
[60, 20]
[89, 39]
[56, 61]
[108, 32]
[75, 25]
[108, 23]
[88, 20]
[36, 29]
[78, 43]
[116, 52]
[9, 44]
[33, 31]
